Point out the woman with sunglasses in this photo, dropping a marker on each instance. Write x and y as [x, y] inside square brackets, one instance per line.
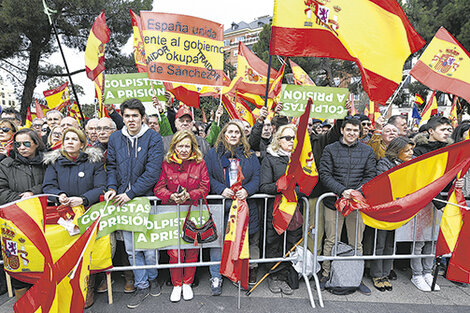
[76, 174]
[231, 152]
[7, 130]
[21, 176]
[273, 167]
[183, 180]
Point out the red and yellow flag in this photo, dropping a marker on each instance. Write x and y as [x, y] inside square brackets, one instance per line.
[300, 171]
[244, 110]
[453, 112]
[459, 266]
[300, 77]
[94, 51]
[74, 112]
[138, 44]
[99, 89]
[373, 33]
[58, 98]
[188, 94]
[444, 66]
[236, 254]
[253, 71]
[410, 186]
[39, 111]
[230, 107]
[429, 110]
[419, 100]
[372, 111]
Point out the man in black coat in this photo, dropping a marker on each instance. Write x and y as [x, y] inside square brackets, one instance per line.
[345, 166]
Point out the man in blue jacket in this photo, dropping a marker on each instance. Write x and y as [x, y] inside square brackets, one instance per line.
[135, 156]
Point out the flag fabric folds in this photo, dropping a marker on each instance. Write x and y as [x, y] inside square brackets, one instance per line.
[300, 171]
[184, 94]
[453, 112]
[408, 187]
[235, 254]
[364, 31]
[458, 268]
[39, 111]
[94, 52]
[444, 66]
[372, 111]
[58, 98]
[300, 77]
[419, 100]
[429, 110]
[138, 44]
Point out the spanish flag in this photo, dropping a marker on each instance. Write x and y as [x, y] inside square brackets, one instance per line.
[300, 171]
[138, 44]
[300, 77]
[99, 89]
[253, 71]
[459, 266]
[374, 34]
[408, 187]
[372, 111]
[419, 100]
[244, 110]
[94, 51]
[235, 254]
[429, 110]
[58, 98]
[444, 66]
[453, 117]
[188, 94]
[230, 107]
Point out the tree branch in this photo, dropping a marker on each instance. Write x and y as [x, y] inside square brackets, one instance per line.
[49, 74]
[15, 66]
[9, 72]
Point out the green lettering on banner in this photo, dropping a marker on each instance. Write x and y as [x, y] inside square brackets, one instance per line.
[328, 102]
[162, 229]
[119, 87]
[133, 216]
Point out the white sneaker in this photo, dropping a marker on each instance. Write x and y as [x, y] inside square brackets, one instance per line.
[428, 278]
[420, 283]
[187, 292]
[176, 294]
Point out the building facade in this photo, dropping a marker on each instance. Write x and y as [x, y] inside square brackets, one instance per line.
[7, 95]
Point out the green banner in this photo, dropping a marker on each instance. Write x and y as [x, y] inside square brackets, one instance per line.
[119, 87]
[133, 216]
[162, 229]
[328, 102]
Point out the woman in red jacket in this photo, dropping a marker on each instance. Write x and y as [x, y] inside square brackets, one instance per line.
[183, 167]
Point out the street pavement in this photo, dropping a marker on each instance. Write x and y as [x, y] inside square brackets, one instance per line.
[404, 298]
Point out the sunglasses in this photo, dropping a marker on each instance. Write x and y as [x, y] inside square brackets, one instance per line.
[5, 129]
[18, 144]
[288, 138]
[366, 123]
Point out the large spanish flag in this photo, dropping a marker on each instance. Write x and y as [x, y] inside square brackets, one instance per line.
[138, 44]
[300, 77]
[300, 171]
[397, 195]
[58, 98]
[94, 51]
[375, 34]
[253, 71]
[445, 66]
[459, 265]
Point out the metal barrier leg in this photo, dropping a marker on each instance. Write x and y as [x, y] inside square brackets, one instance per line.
[309, 289]
[110, 287]
[239, 295]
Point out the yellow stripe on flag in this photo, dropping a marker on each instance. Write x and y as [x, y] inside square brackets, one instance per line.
[451, 222]
[372, 222]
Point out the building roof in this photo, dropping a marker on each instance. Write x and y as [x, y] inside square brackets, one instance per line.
[257, 23]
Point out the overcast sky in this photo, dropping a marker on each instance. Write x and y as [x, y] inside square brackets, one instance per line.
[221, 11]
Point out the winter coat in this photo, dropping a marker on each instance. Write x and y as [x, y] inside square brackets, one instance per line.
[84, 177]
[190, 175]
[423, 145]
[18, 175]
[258, 143]
[345, 167]
[134, 162]
[218, 166]
[202, 144]
[385, 164]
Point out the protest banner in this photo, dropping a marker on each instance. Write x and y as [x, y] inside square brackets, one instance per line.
[132, 216]
[162, 227]
[328, 102]
[182, 48]
[119, 87]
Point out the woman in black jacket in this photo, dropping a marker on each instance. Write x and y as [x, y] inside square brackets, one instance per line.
[398, 151]
[21, 176]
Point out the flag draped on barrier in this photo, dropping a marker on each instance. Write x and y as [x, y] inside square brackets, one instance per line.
[364, 31]
[300, 171]
[236, 254]
[444, 66]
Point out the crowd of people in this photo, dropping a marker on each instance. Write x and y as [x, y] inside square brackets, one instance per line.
[169, 155]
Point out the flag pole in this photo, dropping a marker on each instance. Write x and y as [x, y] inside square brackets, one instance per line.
[267, 81]
[396, 93]
[49, 12]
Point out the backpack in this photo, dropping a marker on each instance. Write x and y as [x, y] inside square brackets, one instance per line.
[345, 276]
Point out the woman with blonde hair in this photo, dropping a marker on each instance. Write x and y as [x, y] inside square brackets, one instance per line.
[183, 180]
[7, 130]
[55, 138]
[231, 152]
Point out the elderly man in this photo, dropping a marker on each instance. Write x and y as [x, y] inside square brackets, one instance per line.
[36, 125]
[68, 122]
[91, 132]
[382, 138]
[399, 121]
[153, 123]
[104, 129]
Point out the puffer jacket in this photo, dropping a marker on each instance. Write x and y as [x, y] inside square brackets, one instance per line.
[18, 175]
[84, 177]
[345, 167]
[190, 175]
[218, 164]
[258, 143]
[134, 162]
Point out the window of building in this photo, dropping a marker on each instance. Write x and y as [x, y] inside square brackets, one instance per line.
[227, 42]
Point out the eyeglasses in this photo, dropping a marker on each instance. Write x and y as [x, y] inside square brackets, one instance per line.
[106, 128]
[288, 138]
[366, 123]
[56, 134]
[5, 129]
[44, 129]
[18, 144]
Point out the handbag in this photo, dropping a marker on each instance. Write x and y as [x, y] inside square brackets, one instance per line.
[204, 234]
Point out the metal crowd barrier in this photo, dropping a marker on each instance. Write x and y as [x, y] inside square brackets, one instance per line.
[262, 259]
[321, 258]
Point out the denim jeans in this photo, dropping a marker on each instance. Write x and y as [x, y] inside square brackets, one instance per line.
[142, 257]
[216, 255]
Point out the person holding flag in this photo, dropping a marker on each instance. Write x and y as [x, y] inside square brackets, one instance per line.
[231, 152]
